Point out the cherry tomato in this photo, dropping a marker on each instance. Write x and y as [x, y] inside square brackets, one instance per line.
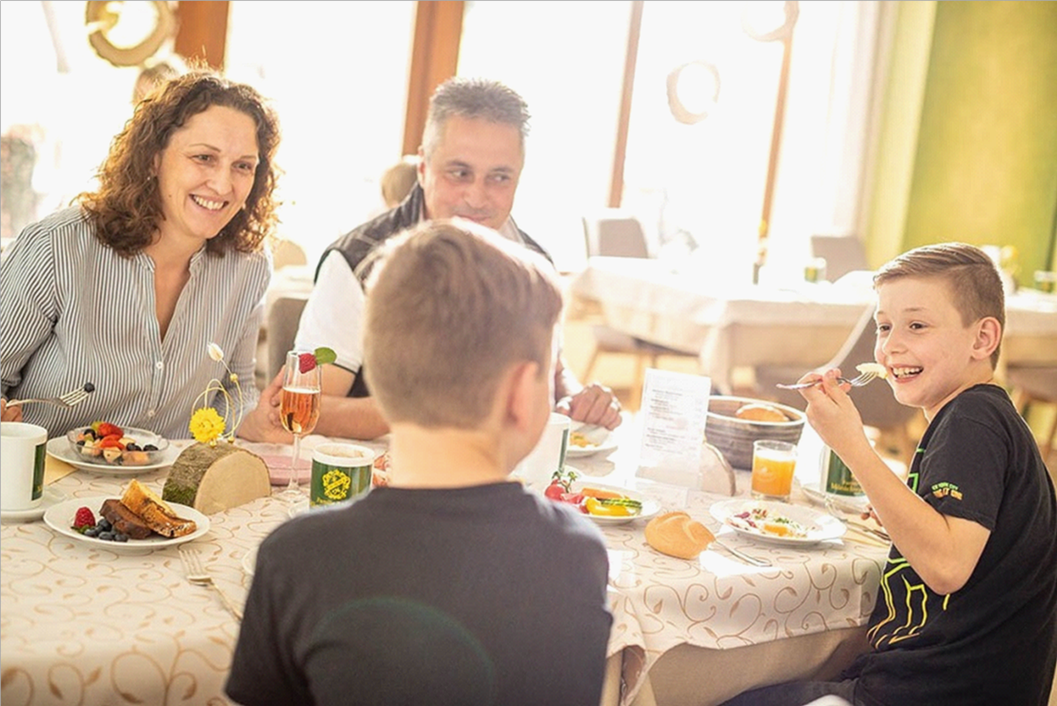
[554, 491]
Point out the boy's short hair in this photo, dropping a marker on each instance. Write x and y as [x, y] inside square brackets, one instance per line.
[450, 307]
[975, 285]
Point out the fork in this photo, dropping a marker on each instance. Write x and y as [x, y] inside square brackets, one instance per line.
[858, 381]
[197, 575]
[71, 398]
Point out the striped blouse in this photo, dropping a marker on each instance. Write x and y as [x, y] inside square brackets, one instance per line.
[73, 311]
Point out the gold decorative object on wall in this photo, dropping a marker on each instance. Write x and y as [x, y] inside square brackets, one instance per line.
[102, 17]
[695, 83]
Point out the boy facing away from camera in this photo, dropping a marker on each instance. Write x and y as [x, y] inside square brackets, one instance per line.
[967, 607]
[454, 584]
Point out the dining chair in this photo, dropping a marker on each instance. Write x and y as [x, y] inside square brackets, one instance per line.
[1034, 385]
[877, 405]
[284, 317]
[843, 254]
[616, 233]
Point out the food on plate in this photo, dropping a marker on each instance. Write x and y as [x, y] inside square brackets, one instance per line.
[138, 514]
[677, 534]
[875, 368]
[765, 521]
[760, 412]
[380, 473]
[109, 441]
[579, 440]
[122, 520]
[155, 512]
[212, 479]
[591, 501]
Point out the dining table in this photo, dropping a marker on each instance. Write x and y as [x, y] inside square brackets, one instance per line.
[735, 326]
[88, 624]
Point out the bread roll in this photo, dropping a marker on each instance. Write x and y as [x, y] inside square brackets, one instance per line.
[759, 412]
[675, 534]
[155, 512]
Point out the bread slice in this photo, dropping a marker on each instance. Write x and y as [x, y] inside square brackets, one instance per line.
[155, 512]
[124, 520]
[676, 534]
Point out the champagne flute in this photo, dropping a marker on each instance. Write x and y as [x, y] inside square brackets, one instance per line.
[299, 409]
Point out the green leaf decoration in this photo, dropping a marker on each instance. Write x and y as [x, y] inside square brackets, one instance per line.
[325, 355]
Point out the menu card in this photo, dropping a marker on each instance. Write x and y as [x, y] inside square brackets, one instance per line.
[674, 407]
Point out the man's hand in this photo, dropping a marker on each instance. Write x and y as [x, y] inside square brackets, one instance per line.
[263, 423]
[594, 404]
[10, 414]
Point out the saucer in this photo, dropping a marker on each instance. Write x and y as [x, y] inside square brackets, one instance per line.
[50, 497]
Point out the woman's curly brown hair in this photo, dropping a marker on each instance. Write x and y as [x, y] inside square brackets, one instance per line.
[127, 207]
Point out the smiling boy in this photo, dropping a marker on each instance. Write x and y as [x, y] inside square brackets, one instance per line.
[967, 608]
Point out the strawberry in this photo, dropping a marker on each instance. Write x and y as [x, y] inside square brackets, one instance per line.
[108, 429]
[306, 362]
[83, 519]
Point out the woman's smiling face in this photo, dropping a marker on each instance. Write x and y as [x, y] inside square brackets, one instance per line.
[206, 172]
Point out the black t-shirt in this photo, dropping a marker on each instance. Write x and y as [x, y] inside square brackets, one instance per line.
[479, 595]
[993, 641]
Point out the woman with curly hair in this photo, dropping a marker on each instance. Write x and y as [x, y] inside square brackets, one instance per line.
[127, 288]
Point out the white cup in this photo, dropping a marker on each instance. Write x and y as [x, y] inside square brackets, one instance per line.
[548, 456]
[22, 449]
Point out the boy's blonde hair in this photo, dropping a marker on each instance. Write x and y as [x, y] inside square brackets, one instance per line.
[973, 280]
[451, 306]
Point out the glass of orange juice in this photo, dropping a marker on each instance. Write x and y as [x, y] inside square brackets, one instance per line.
[773, 463]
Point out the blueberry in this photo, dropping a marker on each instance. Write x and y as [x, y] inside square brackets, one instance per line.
[89, 387]
[106, 536]
[104, 524]
[132, 447]
[91, 532]
[150, 447]
[120, 537]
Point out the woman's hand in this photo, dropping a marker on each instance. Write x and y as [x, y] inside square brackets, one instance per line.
[263, 423]
[10, 414]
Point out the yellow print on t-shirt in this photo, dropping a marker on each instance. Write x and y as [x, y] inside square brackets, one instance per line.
[907, 605]
[946, 489]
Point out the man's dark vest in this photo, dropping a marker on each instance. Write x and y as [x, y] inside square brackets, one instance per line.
[357, 245]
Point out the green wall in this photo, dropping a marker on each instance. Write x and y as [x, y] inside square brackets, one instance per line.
[983, 162]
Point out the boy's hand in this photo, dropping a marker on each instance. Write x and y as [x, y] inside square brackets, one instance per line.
[831, 412]
[594, 404]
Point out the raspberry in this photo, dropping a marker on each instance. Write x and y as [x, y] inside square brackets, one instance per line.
[83, 519]
[306, 362]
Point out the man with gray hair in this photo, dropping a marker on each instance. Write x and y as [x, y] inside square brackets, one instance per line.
[471, 157]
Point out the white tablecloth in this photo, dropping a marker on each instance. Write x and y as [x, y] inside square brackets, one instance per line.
[733, 326]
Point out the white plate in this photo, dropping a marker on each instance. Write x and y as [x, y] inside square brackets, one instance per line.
[249, 561]
[649, 507]
[49, 498]
[844, 503]
[59, 517]
[820, 526]
[59, 448]
[601, 440]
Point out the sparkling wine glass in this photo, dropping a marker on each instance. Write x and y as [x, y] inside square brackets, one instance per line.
[299, 409]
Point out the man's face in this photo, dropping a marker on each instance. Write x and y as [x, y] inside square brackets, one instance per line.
[473, 171]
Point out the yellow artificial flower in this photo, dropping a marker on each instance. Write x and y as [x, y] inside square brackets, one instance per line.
[206, 425]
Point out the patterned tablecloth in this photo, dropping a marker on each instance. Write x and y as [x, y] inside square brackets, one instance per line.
[81, 624]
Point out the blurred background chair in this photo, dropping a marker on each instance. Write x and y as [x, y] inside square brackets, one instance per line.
[284, 316]
[843, 254]
[877, 405]
[616, 233]
[1034, 386]
[287, 253]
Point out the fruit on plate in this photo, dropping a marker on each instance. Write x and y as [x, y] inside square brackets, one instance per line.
[109, 441]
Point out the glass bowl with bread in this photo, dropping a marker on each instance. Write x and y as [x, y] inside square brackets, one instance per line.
[732, 424]
[107, 444]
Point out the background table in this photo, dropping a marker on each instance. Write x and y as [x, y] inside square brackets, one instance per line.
[739, 326]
